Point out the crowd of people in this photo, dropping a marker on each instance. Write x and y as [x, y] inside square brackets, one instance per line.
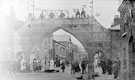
[109, 66]
[75, 67]
[44, 65]
[52, 14]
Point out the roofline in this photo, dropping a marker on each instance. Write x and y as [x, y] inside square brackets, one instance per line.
[123, 4]
[59, 43]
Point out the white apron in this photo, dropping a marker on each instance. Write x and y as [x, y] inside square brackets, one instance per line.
[23, 65]
[51, 65]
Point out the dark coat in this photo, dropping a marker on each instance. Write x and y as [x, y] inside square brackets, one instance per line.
[83, 64]
[62, 65]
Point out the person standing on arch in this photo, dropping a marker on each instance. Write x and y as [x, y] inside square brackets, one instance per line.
[41, 15]
[51, 15]
[83, 13]
[78, 14]
[62, 14]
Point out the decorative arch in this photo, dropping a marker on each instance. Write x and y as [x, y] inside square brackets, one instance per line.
[93, 37]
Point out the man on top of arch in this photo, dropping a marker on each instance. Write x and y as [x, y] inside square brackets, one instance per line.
[51, 15]
[78, 14]
[83, 13]
[62, 14]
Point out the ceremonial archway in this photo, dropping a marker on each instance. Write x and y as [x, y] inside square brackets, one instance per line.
[93, 37]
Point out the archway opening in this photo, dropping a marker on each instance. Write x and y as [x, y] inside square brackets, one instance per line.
[65, 46]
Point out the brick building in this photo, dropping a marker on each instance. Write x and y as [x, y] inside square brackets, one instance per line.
[66, 41]
[58, 49]
[127, 32]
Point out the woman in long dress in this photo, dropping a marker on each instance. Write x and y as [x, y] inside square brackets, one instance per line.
[43, 64]
[51, 65]
[23, 64]
[96, 61]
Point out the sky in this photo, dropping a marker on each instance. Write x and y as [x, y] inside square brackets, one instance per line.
[106, 9]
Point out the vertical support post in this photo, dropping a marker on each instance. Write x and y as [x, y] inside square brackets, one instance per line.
[111, 44]
[28, 58]
[28, 10]
[33, 8]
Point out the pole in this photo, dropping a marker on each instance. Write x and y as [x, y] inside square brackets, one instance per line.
[33, 8]
[29, 46]
[111, 44]
[28, 10]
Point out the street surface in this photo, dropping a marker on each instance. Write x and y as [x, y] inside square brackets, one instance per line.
[52, 76]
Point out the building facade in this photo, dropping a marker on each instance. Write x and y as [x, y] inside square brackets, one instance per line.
[59, 49]
[66, 41]
[76, 54]
[127, 32]
[44, 50]
[68, 45]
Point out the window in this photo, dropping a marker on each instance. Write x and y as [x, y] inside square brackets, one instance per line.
[124, 58]
[56, 47]
[125, 18]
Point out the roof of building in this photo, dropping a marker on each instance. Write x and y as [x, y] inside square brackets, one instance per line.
[115, 27]
[62, 37]
[58, 42]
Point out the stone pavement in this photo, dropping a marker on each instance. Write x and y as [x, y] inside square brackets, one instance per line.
[53, 76]
[99, 70]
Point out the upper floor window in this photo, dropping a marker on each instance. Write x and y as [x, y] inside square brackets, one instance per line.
[133, 14]
[125, 18]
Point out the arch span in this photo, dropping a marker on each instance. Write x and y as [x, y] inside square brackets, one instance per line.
[92, 36]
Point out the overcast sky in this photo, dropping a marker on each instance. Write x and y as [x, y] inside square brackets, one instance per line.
[106, 9]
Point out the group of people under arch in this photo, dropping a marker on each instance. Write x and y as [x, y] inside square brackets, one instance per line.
[108, 65]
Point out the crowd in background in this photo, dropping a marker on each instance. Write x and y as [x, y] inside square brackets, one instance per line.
[43, 65]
